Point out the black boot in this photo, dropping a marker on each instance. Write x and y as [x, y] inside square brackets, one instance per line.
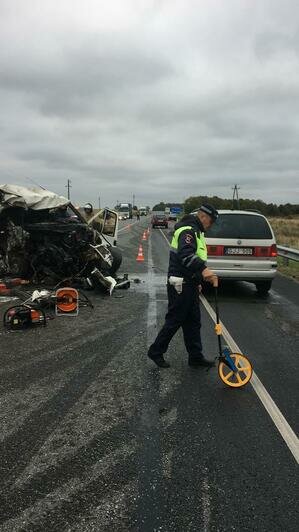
[160, 361]
[202, 361]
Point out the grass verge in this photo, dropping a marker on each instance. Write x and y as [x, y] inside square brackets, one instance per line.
[286, 232]
[291, 269]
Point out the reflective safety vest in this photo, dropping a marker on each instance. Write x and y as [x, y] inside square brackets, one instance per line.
[201, 250]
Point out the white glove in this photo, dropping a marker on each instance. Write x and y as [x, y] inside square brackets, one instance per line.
[177, 282]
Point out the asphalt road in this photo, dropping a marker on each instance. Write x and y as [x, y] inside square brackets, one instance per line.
[96, 438]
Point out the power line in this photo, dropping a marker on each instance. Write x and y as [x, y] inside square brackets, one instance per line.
[34, 182]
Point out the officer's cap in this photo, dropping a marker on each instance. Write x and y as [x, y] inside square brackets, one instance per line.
[210, 210]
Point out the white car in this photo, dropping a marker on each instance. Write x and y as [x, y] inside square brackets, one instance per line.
[241, 246]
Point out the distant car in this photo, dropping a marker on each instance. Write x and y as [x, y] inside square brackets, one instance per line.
[160, 220]
[241, 246]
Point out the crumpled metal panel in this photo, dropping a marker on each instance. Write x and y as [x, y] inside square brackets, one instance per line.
[29, 198]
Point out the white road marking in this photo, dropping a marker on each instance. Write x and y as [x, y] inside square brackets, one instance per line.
[164, 236]
[206, 501]
[152, 304]
[126, 226]
[275, 414]
[278, 419]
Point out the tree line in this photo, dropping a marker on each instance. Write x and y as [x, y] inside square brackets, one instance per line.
[268, 209]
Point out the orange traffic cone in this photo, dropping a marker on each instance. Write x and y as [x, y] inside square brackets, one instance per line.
[144, 236]
[140, 257]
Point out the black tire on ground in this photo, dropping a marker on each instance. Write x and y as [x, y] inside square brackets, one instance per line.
[117, 260]
[263, 287]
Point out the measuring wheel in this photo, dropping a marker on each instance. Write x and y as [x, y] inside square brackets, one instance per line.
[239, 378]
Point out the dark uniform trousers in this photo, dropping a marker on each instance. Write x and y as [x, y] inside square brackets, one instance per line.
[183, 311]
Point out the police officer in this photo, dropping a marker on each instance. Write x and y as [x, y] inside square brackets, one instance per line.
[187, 268]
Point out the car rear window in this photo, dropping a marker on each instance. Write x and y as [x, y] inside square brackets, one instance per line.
[240, 226]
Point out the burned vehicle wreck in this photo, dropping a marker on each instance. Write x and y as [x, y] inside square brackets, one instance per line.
[45, 239]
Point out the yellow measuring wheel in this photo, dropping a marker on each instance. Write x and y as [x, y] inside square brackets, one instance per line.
[234, 369]
[240, 376]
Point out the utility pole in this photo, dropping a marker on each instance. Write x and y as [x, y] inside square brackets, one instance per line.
[68, 186]
[236, 196]
[99, 202]
[133, 200]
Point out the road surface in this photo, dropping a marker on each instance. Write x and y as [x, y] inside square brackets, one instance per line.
[97, 438]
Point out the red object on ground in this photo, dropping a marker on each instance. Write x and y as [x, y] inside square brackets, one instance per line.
[4, 291]
[17, 281]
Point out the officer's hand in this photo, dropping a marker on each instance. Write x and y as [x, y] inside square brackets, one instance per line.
[210, 277]
[215, 281]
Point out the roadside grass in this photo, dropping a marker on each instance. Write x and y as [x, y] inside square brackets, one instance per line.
[291, 269]
[286, 232]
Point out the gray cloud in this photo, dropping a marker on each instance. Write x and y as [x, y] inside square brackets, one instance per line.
[157, 99]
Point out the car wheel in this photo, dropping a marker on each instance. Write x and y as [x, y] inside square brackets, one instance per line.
[117, 260]
[263, 287]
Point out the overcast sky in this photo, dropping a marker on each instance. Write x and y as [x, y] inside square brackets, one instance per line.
[163, 99]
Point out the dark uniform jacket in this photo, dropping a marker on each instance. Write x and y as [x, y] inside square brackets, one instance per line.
[185, 262]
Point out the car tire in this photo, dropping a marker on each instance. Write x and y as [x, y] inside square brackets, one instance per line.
[263, 287]
[117, 260]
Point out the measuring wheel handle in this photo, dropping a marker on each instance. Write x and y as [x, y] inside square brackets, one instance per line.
[234, 369]
[228, 359]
